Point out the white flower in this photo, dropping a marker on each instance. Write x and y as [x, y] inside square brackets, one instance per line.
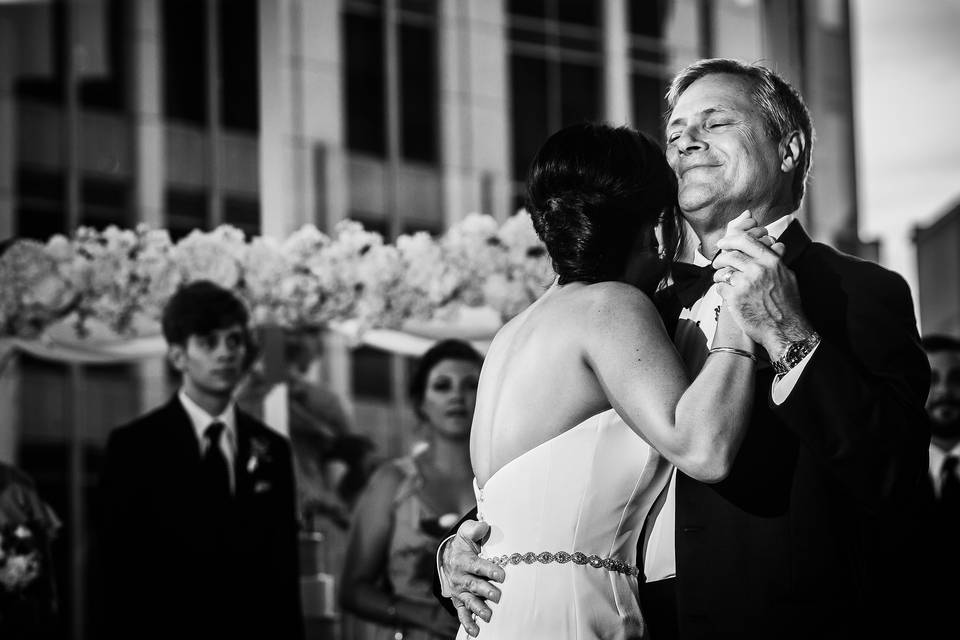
[201, 257]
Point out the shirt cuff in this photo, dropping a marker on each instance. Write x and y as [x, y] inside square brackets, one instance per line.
[444, 585]
[783, 385]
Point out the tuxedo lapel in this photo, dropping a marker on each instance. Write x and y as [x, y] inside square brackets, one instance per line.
[796, 241]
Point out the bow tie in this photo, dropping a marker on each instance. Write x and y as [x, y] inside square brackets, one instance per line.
[691, 281]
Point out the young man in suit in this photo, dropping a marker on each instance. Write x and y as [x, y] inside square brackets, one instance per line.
[200, 524]
[818, 529]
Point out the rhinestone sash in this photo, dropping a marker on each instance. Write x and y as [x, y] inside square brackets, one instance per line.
[562, 557]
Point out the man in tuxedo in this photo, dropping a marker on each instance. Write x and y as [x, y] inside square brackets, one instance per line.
[814, 532]
[943, 407]
[200, 529]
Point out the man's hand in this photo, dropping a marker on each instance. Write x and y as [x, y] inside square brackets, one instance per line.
[467, 574]
[760, 291]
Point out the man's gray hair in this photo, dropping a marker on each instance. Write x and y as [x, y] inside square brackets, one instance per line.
[782, 106]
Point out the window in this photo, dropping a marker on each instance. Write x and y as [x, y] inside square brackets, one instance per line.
[107, 89]
[41, 203]
[368, 107]
[243, 213]
[371, 374]
[186, 210]
[555, 72]
[184, 28]
[649, 74]
[239, 65]
[104, 203]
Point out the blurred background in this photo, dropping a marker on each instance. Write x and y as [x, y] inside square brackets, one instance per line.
[407, 115]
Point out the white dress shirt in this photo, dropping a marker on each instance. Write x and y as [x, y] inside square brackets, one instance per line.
[201, 420]
[937, 458]
[694, 336]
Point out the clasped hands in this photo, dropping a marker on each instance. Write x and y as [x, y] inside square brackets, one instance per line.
[757, 287]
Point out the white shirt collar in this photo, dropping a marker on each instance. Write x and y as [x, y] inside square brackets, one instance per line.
[201, 419]
[775, 228]
[938, 455]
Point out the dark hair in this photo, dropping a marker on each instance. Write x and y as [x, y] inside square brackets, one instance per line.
[443, 350]
[936, 343]
[782, 106]
[202, 307]
[592, 190]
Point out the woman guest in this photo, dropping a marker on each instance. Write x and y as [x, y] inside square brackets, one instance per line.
[411, 501]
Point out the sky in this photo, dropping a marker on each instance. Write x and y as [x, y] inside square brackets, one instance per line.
[907, 97]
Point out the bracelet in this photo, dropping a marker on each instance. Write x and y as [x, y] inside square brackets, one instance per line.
[738, 352]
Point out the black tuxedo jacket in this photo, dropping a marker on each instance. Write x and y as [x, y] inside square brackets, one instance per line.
[819, 530]
[173, 568]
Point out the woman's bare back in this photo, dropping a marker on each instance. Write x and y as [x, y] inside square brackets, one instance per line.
[536, 382]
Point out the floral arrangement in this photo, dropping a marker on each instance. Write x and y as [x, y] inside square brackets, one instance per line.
[122, 278]
[19, 558]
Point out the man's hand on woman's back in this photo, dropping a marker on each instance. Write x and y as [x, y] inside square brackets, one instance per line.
[466, 576]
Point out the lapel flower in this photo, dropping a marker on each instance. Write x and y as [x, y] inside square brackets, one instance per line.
[259, 454]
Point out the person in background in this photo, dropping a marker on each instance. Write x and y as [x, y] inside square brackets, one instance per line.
[943, 407]
[411, 501]
[200, 525]
[28, 594]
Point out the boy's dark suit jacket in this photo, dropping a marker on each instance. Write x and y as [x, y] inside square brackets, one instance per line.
[819, 529]
[173, 567]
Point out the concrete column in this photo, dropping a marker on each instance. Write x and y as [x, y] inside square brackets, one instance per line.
[147, 113]
[616, 70]
[474, 108]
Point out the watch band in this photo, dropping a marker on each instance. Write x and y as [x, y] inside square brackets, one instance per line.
[794, 353]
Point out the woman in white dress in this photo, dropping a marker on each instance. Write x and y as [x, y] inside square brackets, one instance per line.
[583, 402]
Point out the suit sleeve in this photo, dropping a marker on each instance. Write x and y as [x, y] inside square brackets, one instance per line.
[444, 601]
[120, 521]
[859, 403]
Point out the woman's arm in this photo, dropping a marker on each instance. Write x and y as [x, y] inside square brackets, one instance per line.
[698, 426]
[365, 568]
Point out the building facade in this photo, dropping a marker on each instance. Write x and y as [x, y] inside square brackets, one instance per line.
[938, 273]
[405, 115]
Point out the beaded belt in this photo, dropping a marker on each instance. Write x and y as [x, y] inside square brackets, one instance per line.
[562, 557]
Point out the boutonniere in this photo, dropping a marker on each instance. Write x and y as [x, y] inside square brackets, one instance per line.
[259, 454]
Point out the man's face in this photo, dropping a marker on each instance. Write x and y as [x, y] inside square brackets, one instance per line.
[211, 364]
[718, 147]
[943, 403]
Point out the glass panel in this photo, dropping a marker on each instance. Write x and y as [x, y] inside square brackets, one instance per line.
[40, 204]
[534, 8]
[582, 11]
[243, 213]
[110, 92]
[580, 93]
[529, 116]
[422, 7]
[365, 108]
[105, 202]
[647, 17]
[185, 211]
[370, 374]
[184, 60]
[239, 64]
[418, 93]
[648, 105]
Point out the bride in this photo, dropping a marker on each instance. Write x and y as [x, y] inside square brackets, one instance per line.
[583, 402]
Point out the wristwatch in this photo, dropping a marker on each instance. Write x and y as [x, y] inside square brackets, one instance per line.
[794, 353]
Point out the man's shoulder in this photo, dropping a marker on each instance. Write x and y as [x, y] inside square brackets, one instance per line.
[851, 273]
[154, 423]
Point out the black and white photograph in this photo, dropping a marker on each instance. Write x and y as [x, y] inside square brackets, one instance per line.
[496, 319]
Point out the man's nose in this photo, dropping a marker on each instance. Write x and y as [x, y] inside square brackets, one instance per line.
[689, 142]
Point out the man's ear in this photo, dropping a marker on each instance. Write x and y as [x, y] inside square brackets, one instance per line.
[790, 151]
[177, 356]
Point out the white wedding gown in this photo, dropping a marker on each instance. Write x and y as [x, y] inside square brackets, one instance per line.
[587, 490]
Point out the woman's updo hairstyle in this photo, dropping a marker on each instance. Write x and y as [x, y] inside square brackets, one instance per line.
[593, 190]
